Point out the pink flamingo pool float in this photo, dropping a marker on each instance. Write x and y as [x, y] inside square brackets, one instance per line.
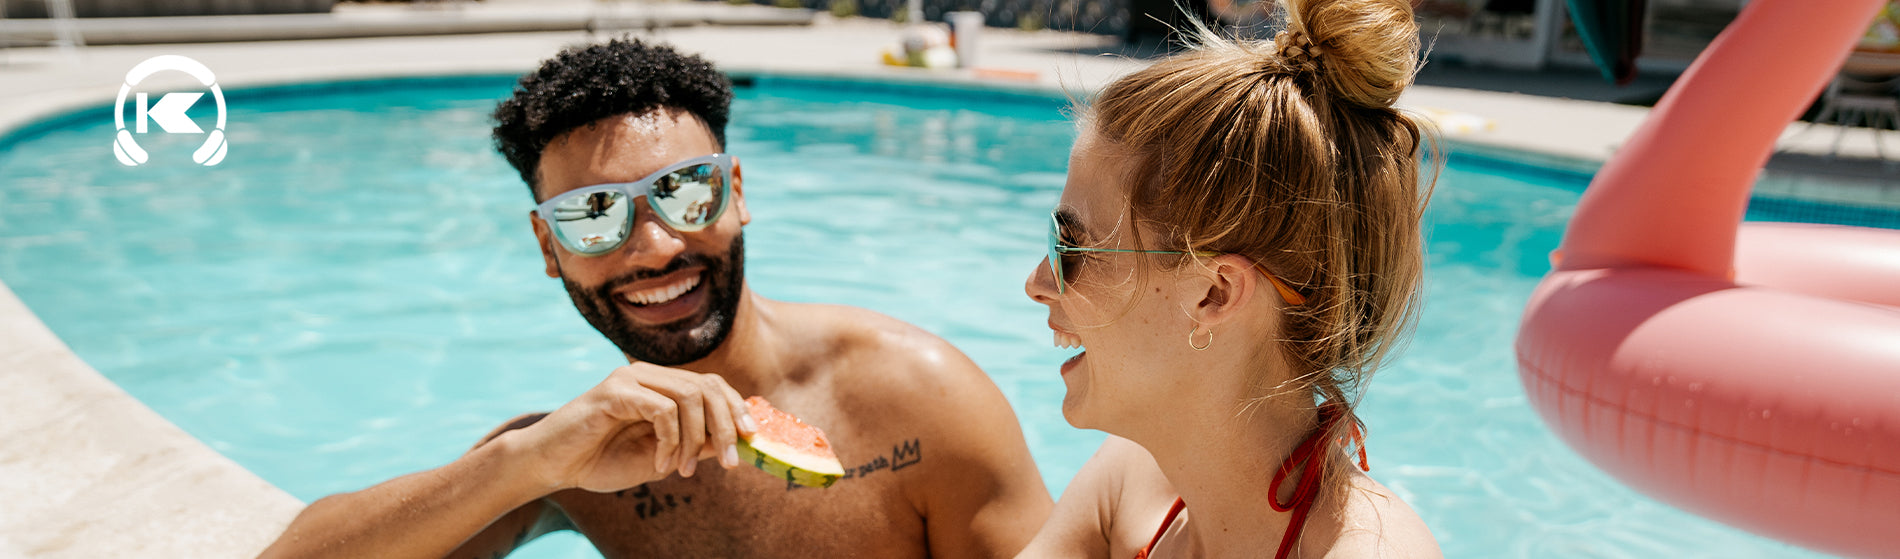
[1749, 373]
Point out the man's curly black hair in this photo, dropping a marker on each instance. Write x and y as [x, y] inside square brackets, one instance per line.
[582, 85]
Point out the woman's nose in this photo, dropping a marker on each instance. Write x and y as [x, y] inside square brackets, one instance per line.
[1041, 284]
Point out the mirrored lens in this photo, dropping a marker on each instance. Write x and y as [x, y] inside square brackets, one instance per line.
[593, 223]
[689, 198]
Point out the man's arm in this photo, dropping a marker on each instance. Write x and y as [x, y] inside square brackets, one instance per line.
[519, 526]
[426, 514]
[640, 424]
[513, 530]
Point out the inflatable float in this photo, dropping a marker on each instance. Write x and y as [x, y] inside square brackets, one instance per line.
[1749, 373]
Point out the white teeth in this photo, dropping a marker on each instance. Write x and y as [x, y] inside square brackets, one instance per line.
[1066, 340]
[663, 294]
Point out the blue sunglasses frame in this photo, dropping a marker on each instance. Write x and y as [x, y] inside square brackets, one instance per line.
[648, 188]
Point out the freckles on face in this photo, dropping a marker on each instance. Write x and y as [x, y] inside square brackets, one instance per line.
[1094, 212]
[1111, 303]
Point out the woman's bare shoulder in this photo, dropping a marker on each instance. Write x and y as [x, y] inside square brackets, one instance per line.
[1139, 482]
[1142, 495]
[1375, 522]
[1111, 507]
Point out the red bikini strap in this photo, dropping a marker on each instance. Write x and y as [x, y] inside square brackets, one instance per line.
[1165, 523]
[1310, 477]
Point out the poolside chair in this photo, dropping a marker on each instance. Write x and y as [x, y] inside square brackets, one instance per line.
[1853, 101]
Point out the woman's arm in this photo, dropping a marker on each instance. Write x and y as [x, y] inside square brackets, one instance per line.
[1094, 518]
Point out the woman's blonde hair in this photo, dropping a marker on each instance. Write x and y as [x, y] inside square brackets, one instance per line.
[1290, 152]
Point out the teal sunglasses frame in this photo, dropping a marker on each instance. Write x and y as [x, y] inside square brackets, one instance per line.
[1058, 249]
[645, 188]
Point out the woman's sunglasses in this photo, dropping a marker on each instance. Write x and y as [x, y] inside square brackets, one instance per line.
[1064, 256]
[687, 196]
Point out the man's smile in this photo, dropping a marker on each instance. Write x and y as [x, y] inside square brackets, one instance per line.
[666, 299]
[661, 290]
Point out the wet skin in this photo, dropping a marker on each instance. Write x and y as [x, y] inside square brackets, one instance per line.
[937, 463]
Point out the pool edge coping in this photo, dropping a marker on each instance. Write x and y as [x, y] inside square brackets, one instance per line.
[126, 481]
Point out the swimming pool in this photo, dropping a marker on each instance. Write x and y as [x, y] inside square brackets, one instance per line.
[354, 294]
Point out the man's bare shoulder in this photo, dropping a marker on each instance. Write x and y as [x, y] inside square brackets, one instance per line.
[885, 353]
[912, 382]
[1377, 523]
[964, 464]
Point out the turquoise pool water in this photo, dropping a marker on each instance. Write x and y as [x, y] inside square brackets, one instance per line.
[354, 294]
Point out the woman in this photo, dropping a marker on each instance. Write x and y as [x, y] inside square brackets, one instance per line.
[1262, 201]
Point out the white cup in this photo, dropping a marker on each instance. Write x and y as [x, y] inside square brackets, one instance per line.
[964, 29]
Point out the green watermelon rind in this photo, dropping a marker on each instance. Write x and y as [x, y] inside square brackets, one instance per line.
[782, 462]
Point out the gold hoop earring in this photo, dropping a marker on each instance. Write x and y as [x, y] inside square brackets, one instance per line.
[1210, 338]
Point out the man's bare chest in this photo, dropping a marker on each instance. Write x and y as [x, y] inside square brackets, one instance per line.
[744, 512]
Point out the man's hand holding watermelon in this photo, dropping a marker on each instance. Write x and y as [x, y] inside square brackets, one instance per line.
[641, 424]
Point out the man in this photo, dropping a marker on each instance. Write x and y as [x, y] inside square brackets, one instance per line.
[639, 214]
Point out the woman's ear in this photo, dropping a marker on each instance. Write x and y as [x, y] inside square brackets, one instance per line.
[1230, 283]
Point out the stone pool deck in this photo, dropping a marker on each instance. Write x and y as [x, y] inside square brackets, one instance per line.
[87, 471]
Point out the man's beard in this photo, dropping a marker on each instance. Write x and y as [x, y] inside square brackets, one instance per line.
[683, 341]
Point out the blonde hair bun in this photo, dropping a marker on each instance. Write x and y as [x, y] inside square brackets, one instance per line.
[1365, 51]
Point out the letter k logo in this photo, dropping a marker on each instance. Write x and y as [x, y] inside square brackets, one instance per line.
[169, 113]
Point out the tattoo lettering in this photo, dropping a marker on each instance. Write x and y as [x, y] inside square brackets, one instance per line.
[903, 455]
[650, 504]
[872, 466]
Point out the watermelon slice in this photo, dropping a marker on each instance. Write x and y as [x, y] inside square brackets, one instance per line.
[788, 448]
